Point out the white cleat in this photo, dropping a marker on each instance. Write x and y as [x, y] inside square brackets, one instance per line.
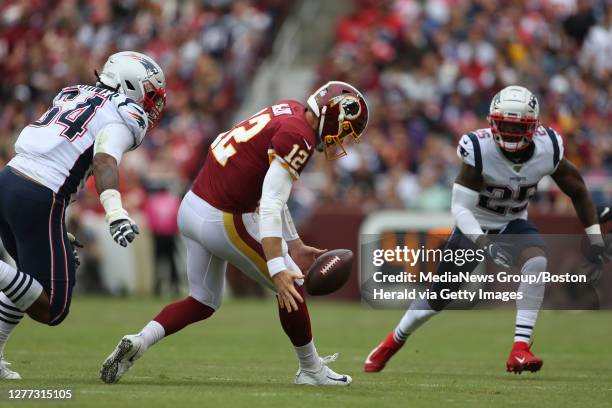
[325, 376]
[129, 349]
[5, 372]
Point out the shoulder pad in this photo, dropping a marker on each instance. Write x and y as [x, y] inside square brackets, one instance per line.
[468, 151]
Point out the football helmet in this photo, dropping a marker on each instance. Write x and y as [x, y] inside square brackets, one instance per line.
[341, 111]
[139, 78]
[514, 118]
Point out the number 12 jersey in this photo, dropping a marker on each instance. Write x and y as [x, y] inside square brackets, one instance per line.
[238, 160]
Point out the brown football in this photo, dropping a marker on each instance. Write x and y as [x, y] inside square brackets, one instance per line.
[329, 272]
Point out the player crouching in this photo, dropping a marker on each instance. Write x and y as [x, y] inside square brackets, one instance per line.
[501, 168]
[255, 163]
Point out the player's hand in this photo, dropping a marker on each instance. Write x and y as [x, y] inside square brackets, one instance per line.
[123, 229]
[304, 255]
[288, 296]
[75, 244]
[604, 213]
[598, 254]
[496, 252]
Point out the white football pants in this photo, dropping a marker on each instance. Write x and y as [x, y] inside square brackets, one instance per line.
[212, 239]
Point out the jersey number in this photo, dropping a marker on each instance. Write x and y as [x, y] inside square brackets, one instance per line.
[222, 147]
[296, 157]
[506, 193]
[73, 120]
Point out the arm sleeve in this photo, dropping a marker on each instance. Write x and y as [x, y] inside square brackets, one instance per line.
[293, 146]
[114, 139]
[463, 202]
[274, 195]
[289, 231]
[468, 151]
[134, 118]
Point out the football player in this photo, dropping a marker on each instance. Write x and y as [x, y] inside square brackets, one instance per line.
[86, 130]
[501, 168]
[250, 167]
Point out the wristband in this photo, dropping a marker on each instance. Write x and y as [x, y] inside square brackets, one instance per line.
[111, 200]
[594, 234]
[276, 265]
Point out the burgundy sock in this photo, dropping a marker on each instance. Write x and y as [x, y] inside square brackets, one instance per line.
[297, 323]
[179, 314]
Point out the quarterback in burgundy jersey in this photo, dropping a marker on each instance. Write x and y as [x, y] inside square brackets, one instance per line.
[238, 160]
[236, 212]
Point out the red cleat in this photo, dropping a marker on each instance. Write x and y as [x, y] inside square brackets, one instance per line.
[522, 359]
[377, 359]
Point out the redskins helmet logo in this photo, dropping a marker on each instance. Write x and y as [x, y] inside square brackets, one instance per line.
[350, 107]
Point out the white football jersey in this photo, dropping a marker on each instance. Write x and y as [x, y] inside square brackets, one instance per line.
[508, 186]
[57, 149]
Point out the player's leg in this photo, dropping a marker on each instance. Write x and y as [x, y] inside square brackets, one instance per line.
[23, 290]
[205, 273]
[244, 250]
[529, 253]
[421, 310]
[10, 315]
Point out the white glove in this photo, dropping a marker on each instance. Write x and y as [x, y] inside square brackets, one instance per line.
[122, 228]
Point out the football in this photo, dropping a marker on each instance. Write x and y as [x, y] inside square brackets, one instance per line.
[329, 272]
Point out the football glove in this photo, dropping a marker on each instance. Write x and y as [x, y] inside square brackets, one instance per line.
[123, 230]
[604, 213]
[74, 243]
[496, 252]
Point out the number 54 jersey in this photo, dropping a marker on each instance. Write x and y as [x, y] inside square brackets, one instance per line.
[508, 186]
[57, 149]
[238, 160]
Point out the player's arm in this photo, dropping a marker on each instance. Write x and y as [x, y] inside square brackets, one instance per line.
[465, 198]
[111, 143]
[572, 184]
[303, 255]
[275, 193]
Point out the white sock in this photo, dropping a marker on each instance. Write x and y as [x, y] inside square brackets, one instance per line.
[21, 288]
[10, 317]
[417, 314]
[308, 356]
[528, 307]
[152, 333]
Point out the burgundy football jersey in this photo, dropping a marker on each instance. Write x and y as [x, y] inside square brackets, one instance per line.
[232, 177]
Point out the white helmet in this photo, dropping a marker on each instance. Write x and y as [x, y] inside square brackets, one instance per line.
[139, 78]
[513, 117]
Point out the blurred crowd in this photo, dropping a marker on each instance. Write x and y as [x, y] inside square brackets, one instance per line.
[429, 70]
[208, 49]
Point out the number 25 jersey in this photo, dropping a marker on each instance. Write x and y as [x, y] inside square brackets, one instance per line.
[57, 149]
[507, 186]
[238, 160]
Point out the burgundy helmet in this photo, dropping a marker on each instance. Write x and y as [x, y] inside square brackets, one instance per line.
[342, 111]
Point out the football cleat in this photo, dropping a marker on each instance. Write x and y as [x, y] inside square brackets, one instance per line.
[522, 359]
[129, 349]
[324, 376]
[5, 372]
[378, 358]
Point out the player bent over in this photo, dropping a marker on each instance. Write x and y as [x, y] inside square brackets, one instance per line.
[501, 168]
[254, 163]
[87, 128]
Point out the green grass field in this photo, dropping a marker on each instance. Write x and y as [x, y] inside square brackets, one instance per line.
[241, 357]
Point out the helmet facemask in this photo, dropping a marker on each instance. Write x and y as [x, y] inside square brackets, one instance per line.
[345, 108]
[511, 133]
[153, 102]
